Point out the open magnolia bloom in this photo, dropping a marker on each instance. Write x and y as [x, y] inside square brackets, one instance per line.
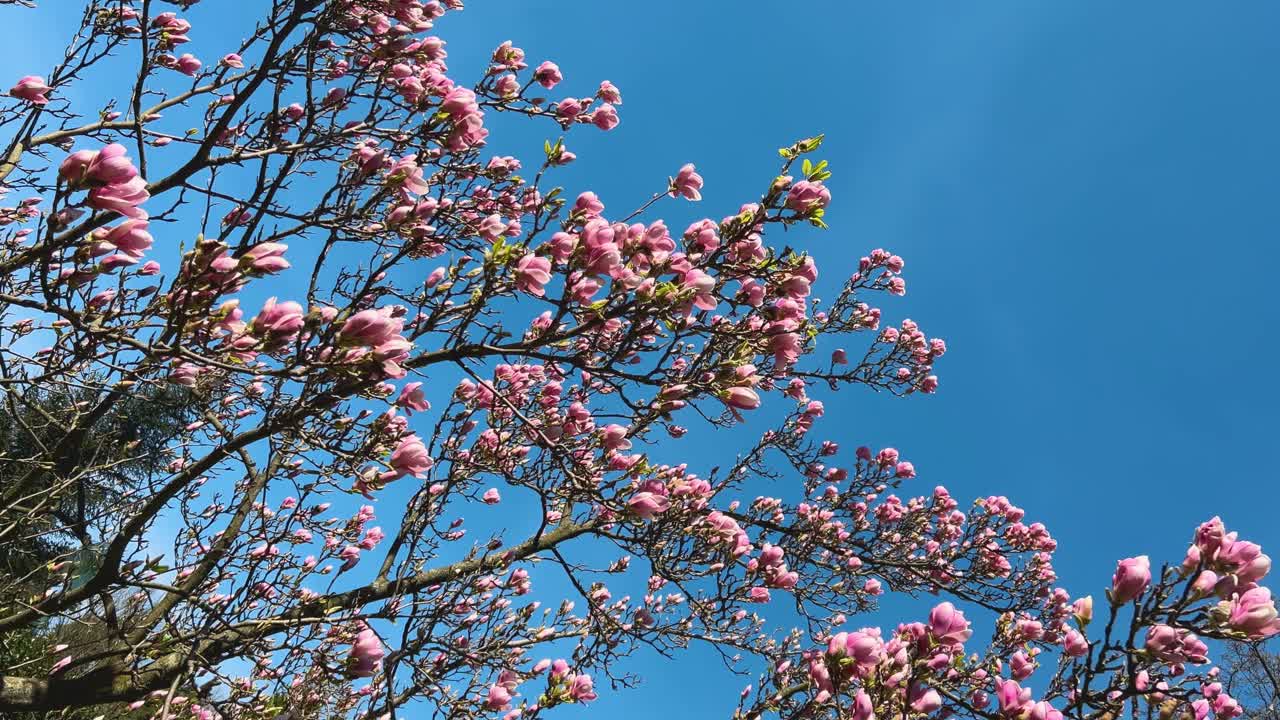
[317, 408]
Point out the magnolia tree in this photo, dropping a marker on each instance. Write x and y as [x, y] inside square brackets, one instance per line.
[374, 328]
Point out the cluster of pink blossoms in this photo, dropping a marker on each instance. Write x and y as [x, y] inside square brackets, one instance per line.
[563, 686]
[110, 177]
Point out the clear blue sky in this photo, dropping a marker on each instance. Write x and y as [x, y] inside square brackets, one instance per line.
[1086, 197]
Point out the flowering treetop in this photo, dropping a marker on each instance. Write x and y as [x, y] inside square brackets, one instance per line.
[339, 170]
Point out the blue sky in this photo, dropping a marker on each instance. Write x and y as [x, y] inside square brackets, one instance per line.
[1084, 192]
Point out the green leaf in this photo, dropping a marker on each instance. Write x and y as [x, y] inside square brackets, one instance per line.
[811, 144]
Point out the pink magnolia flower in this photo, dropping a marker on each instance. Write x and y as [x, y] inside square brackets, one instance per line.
[1205, 584]
[1082, 610]
[509, 56]
[508, 86]
[370, 327]
[459, 103]
[568, 109]
[647, 505]
[123, 198]
[266, 257]
[411, 458]
[413, 399]
[1021, 666]
[1074, 644]
[548, 75]
[119, 260]
[948, 625]
[589, 204]
[862, 707]
[532, 274]
[1254, 613]
[1245, 560]
[581, 688]
[1012, 698]
[32, 89]
[1166, 642]
[188, 64]
[407, 175]
[687, 183]
[372, 537]
[129, 237]
[741, 398]
[605, 117]
[1131, 579]
[1043, 711]
[75, 167]
[492, 497]
[491, 227]
[174, 29]
[805, 197]
[350, 556]
[924, 699]
[110, 165]
[864, 647]
[609, 93]
[366, 654]
[279, 321]
[614, 437]
[499, 698]
[703, 287]
[1224, 707]
[232, 60]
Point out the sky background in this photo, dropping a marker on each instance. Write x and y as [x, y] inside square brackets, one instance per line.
[1085, 194]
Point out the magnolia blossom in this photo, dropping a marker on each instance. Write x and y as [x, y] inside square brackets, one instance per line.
[499, 698]
[804, 197]
[1253, 613]
[129, 237]
[266, 257]
[370, 327]
[948, 625]
[366, 654]
[548, 75]
[188, 64]
[605, 117]
[32, 89]
[112, 179]
[410, 458]
[609, 93]
[412, 398]
[1131, 579]
[532, 274]
[687, 183]
[647, 505]
[568, 109]
[741, 398]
